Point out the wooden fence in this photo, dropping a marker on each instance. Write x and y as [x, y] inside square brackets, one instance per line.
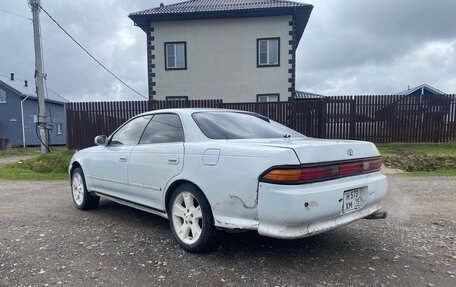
[379, 118]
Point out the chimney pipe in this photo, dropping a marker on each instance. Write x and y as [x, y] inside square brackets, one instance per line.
[25, 83]
[161, 4]
[12, 77]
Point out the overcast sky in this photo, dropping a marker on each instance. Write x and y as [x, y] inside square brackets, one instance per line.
[348, 47]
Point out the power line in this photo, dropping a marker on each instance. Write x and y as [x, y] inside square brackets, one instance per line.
[87, 52]
[85, 71]
[17, 15]
[57, 94]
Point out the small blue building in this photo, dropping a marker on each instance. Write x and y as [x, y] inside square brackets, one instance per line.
[19, 104]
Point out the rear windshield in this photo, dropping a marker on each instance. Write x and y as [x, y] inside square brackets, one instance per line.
[238, 125]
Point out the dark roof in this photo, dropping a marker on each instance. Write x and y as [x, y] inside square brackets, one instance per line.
[217, 6]
[211, 9]
[300, 95]
[422, 87]
[29, 90]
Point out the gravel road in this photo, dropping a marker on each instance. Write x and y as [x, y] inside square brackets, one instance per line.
[45, 241]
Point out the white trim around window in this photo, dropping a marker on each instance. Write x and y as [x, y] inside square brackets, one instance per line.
[175, 55]
[177, 98]
[268, 52]
[268, 98]
[59, 128]
[3, 99]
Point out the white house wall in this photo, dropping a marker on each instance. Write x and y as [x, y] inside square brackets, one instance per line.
[222, 59]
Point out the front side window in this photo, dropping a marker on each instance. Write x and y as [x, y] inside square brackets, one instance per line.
[163, 128]
[267, 98]
[2, 96]
[239, 125]
[130, 133]
[175, 56]
[268, 52]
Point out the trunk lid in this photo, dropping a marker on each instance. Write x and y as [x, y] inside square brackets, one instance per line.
[312, 150]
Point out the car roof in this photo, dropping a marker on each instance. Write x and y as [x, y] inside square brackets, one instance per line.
[189, 111]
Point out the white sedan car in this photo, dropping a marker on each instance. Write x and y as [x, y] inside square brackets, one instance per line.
[208, 170]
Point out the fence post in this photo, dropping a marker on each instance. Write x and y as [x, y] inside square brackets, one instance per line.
[351, 133]
[322, 119]
[68, 116]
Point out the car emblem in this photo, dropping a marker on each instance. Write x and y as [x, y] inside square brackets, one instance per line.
[350, 152]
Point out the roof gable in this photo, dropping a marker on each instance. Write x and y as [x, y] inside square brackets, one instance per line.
[421, 90]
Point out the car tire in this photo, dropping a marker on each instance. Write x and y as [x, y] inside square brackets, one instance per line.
[191, 219]
[81, 197]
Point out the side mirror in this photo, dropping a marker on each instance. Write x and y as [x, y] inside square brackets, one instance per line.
[101, 140]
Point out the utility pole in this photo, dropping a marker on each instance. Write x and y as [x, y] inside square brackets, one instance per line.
[39, 75]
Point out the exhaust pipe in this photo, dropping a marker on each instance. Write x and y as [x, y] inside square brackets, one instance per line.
[377, 215]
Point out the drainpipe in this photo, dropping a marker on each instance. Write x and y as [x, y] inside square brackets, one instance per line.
[23, 124]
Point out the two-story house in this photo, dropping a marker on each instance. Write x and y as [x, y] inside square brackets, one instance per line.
[235, 50]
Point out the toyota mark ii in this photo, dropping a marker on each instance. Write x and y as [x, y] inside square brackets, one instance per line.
[208, 170]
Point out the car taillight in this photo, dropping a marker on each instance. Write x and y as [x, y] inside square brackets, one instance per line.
[321, 172]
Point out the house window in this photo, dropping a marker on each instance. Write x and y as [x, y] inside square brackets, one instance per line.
[59, 128]
[2, 96]
[268, 52]
[267, 98]
[177, 98]
[175, 56]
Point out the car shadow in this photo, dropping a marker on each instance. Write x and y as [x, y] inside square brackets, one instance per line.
[131, 215]
[342, 241]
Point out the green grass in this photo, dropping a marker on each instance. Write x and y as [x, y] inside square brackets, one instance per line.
[51, 166]
[430, 159]
[418, 148]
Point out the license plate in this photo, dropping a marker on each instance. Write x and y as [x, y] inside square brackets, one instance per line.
[352, 200]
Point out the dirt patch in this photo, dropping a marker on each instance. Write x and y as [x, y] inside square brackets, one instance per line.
[387, 170]
[419, 162]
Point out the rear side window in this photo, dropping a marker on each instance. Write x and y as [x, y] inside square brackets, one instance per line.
[163, 128]
[238, 125]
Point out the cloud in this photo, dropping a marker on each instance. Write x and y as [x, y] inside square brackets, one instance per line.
[431, 62]
[101, 26]
[377, 47]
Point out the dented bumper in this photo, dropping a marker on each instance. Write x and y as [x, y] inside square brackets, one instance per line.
[295, 211]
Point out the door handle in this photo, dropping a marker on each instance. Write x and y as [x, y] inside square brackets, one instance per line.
[174, 160]
[123, 159]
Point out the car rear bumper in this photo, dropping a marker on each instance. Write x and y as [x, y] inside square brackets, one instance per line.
[295, 211]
